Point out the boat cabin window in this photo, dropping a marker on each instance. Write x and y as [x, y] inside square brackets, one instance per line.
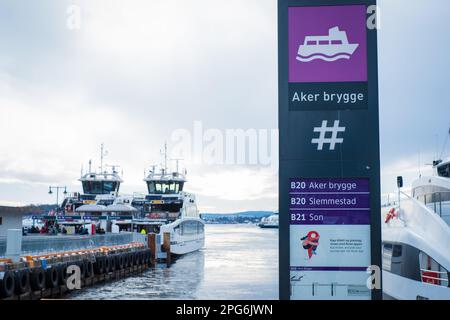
[191, 227]
[432, 272]
[444, 170]
[164, 187]
[100, 187]
[323, 42]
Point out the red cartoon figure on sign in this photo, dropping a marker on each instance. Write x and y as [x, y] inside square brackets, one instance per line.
[311, 242]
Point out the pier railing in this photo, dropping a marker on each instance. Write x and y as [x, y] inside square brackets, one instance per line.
[35, 244]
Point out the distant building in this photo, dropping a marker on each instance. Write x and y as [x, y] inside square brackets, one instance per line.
[11, 217]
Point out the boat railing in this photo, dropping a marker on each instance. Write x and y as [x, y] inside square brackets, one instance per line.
[439, 202]
[436, 202]
[435, 277]
[36, 244]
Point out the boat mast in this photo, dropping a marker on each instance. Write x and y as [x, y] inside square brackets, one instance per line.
[164, 153]
[101, 158]
[177, 160]
[103, 153]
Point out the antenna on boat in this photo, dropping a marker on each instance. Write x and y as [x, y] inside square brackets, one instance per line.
[420, 172]
[164, 153]
[177, 161]
[90, 166]
[445, 144]
[113, 166]
[103, 153]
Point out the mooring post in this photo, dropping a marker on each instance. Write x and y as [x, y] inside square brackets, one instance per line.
[151, 240]
[166, 247]
[14, 244]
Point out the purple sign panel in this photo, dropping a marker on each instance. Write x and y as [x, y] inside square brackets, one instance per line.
[341, 217]
[335, 185]
[329, 201]
[298, 268]
[327, 44]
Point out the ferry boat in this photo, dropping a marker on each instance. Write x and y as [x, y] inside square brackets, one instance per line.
[332, 47]
[171, 209]
[269, 222]
[166, 208]
[99, 187]
[416, 237]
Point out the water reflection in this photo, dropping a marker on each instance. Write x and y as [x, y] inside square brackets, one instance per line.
[238, 262]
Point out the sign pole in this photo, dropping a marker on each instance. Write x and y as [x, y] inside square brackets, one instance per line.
[329, 179]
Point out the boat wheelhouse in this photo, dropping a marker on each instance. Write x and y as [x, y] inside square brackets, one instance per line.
[168, 208]
[100, 187]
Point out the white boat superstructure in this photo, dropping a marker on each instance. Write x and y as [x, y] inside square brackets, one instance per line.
[170, 209]
[100, 187]
[269, 222]
[416, 239]
[166, 207]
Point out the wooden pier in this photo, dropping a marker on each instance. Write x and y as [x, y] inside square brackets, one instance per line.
[141, 259]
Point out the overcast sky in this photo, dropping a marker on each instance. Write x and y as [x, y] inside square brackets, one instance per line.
[137, 71]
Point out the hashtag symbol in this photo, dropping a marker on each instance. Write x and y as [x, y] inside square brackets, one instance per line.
[323, 130]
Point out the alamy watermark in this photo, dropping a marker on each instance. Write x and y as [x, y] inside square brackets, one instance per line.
[74, 16]
[74, 277]
[213, 146]
[73, 21]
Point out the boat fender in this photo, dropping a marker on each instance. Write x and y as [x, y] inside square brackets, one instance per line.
[142, 254]
[131, 259]
[137, 258]
[99, 265]
[112, 263]
[62, 273]
[82, 267]
[88, 266]
[119, 262]
[37, 279]
[52, 276]
[22, 281]
[125, 260]
[107, 264]
[6, 284]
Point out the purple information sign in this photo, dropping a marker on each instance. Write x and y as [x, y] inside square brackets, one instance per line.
[329, 201]
[327, 44]
[335, 185]
[341, 217]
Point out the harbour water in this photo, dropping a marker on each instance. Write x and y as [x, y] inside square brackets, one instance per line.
[238, 262]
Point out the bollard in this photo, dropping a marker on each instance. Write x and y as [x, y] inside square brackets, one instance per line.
[152, 246]
[14, 244]
[166, 247]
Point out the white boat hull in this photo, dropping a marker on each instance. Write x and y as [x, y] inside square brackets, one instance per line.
[401, 288]
[181, 246]
[186, 235]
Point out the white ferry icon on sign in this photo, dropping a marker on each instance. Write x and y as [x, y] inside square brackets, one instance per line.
[329, 48]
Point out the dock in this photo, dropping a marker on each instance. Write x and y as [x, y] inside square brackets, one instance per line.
[52, 275]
